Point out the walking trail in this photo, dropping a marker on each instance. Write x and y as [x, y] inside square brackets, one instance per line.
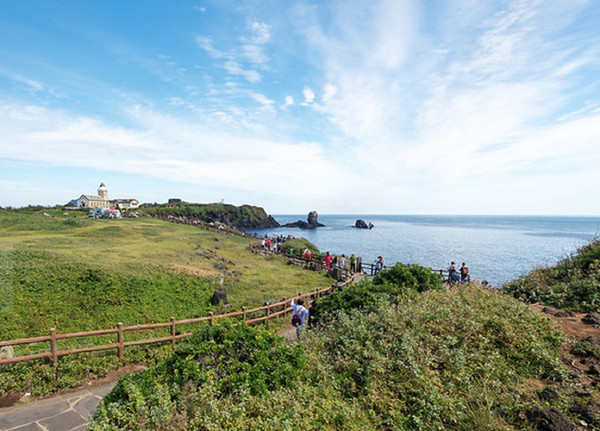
[67, 412]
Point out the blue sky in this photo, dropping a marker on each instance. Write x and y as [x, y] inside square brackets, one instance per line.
[433, 107]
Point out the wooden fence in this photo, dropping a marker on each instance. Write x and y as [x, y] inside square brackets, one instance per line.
[53, 338]
[361, 267]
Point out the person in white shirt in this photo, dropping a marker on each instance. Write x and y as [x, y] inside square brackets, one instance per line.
[299, 315]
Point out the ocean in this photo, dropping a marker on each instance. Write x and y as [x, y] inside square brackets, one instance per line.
[495, 248]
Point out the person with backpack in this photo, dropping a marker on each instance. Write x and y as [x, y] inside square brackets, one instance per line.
[453, 276]
[378, 265]
[464, 274]
[299, 315]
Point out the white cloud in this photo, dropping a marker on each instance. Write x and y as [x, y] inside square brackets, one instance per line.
[165, 147]
[329, 92]
[309, 96]
[234, 68]
[254, 54]
[261, 33]
[208, 45]
[289, 101]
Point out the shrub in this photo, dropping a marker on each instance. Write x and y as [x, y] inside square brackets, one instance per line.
[415, 277]
[225, 360]
[299, 244]
[440, 360]
[573, 283]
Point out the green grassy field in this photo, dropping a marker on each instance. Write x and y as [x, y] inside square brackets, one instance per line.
[77, 274]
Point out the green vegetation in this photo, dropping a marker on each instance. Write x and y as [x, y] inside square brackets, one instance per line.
[573, 283]
[394, 359]
[242, 217]
[298, 245]
[75, 274]
[415, 277]
[226, 362]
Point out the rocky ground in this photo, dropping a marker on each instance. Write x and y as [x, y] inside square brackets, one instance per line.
[581, 356]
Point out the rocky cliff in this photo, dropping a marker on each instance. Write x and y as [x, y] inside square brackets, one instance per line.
[242, 217]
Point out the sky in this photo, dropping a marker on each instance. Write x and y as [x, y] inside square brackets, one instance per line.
[344, 107]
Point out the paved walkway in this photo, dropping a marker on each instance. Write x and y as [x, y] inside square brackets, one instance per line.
[67, 412]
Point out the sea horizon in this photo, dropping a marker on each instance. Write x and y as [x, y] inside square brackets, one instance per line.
[497, 248]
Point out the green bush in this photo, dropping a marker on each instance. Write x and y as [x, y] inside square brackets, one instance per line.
[440, 360]
[435, 360]
[224, 360]
[573, 283]
[415, 277]
[298, 245]
[364, 297]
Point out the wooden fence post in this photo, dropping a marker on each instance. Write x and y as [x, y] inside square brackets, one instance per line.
[244, 315]
[268, 315]
[285, 313]
[53, 350]
[211, 320]
[121, 347]
[173, 333]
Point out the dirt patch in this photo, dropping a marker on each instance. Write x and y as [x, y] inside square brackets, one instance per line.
[198, 272]
[573, 327]
[9, 399]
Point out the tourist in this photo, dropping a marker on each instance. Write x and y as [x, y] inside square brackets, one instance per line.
[378, 265]
[464, 274]
[353, 263]
[453, 276]
[328, 259]
[306, 254]
[299, 315]
[342, 261]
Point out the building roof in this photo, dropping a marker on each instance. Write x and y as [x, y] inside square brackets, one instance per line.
[123, 200]
[92, 197]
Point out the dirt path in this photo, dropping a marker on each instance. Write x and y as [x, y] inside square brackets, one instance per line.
[573, 327]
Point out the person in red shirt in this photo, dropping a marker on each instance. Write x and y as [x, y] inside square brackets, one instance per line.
[328, 260]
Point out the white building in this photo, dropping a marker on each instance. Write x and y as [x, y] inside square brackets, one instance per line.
[95, 201]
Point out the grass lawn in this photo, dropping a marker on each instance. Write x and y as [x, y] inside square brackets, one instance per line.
[78, 273]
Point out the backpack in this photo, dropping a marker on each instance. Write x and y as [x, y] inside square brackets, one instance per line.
[296, 320]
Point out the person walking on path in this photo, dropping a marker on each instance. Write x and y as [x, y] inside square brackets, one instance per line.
[299, 315]
[464, 274]
[353, 263]
[328, 260]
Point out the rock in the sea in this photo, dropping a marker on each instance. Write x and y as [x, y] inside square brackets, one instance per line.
[549, 420]
[591, 319]
[311, 223]
[361, 224]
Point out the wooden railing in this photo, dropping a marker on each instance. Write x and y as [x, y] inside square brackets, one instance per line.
[53, 338]
[361, 267]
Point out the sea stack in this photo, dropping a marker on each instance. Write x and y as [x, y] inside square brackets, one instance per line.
[361, 224]
[311, 223]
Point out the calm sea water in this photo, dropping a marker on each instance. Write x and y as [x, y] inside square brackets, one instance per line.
[495, 248]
